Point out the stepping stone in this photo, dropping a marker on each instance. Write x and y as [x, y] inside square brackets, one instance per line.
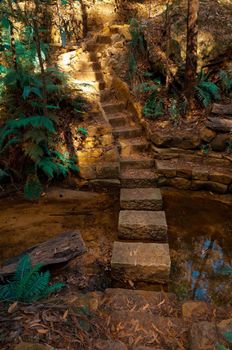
[127, 131]
[135, 224]
[88, 76]
[141, 199]
[138, 162]
[131, 178]
[117, 120]
[147, 262]
[111, 108]
[128, 147]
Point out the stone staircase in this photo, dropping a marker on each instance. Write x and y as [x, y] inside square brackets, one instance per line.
[142, 252]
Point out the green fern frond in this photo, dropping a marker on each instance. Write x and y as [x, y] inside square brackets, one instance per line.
[153, 107]
[211, 88]
[34, 121]
[48, 167]
[33, 188]
[35, 135]
[28, 284]
[33, 151]
[147, 87]
[206, 91]
[225, 81]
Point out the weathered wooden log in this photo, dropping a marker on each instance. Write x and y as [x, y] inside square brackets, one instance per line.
[59, 249]
[222, 109]
[219, 124]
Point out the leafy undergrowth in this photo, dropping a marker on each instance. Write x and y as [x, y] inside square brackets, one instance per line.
[28, 284]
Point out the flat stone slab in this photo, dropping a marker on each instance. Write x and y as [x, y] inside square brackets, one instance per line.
[135, 224]
[147, 262]
[141, 199]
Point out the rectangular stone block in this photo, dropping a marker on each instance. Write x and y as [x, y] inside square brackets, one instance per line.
[135, 224]
[145, 262]
[141, 199]
[108, 170]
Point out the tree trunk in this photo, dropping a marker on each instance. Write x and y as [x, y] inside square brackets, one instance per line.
[191, 52]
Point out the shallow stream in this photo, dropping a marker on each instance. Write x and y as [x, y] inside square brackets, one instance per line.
[199, 227]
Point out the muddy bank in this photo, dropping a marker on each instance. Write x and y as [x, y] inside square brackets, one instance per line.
[24, 224]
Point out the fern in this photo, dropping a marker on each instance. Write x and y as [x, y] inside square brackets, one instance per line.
[153, 107]
[225, 80]
[33, 188]
[206, 91]
[28, 284]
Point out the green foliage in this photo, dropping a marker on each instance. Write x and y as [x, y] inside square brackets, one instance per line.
[32, 188]
[132, 65]
[137, 39]
[225, 81]
[28, 284]
[82, 131]
[228, 337]
[226, 270]
[206, 91]
[174, 110]
[153, 107]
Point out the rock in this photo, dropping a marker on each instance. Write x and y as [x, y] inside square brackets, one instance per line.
[206, 134]
[195, 310]
[148, 262]
[186, 141]
[109, 170]
[115, 38]
[203, 336]
[119, 45]
[88, 172]
[220, 142]
[134, 224]
[165, 168]
[200, 174]
[31, 346]
[141, 199]
[221, 176]
[179, 182]
[209, 186]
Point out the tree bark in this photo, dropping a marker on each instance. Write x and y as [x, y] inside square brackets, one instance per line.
[191, 51]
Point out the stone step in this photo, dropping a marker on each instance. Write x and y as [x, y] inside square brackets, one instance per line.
[128, 147]
[89, 85]
[138, 162]
[131, 178]
[157, 303]
[112, 108]
[89, 76]
[117, 120]
[141, 199]
[127, 132]
[141, 262]
[142, 225]
[103, 39]
[85, 66]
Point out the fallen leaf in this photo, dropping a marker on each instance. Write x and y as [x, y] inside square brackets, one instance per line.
[65, 315]
[12, 307]
[42, 331]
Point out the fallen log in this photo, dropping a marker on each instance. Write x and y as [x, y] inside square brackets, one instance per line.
[219, 124]
[222, 109]
[59, 249]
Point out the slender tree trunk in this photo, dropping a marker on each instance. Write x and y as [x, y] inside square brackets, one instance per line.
[191, 52]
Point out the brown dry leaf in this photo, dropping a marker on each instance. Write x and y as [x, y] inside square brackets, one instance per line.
[65, 315]
[12, 307]
[42, 331]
